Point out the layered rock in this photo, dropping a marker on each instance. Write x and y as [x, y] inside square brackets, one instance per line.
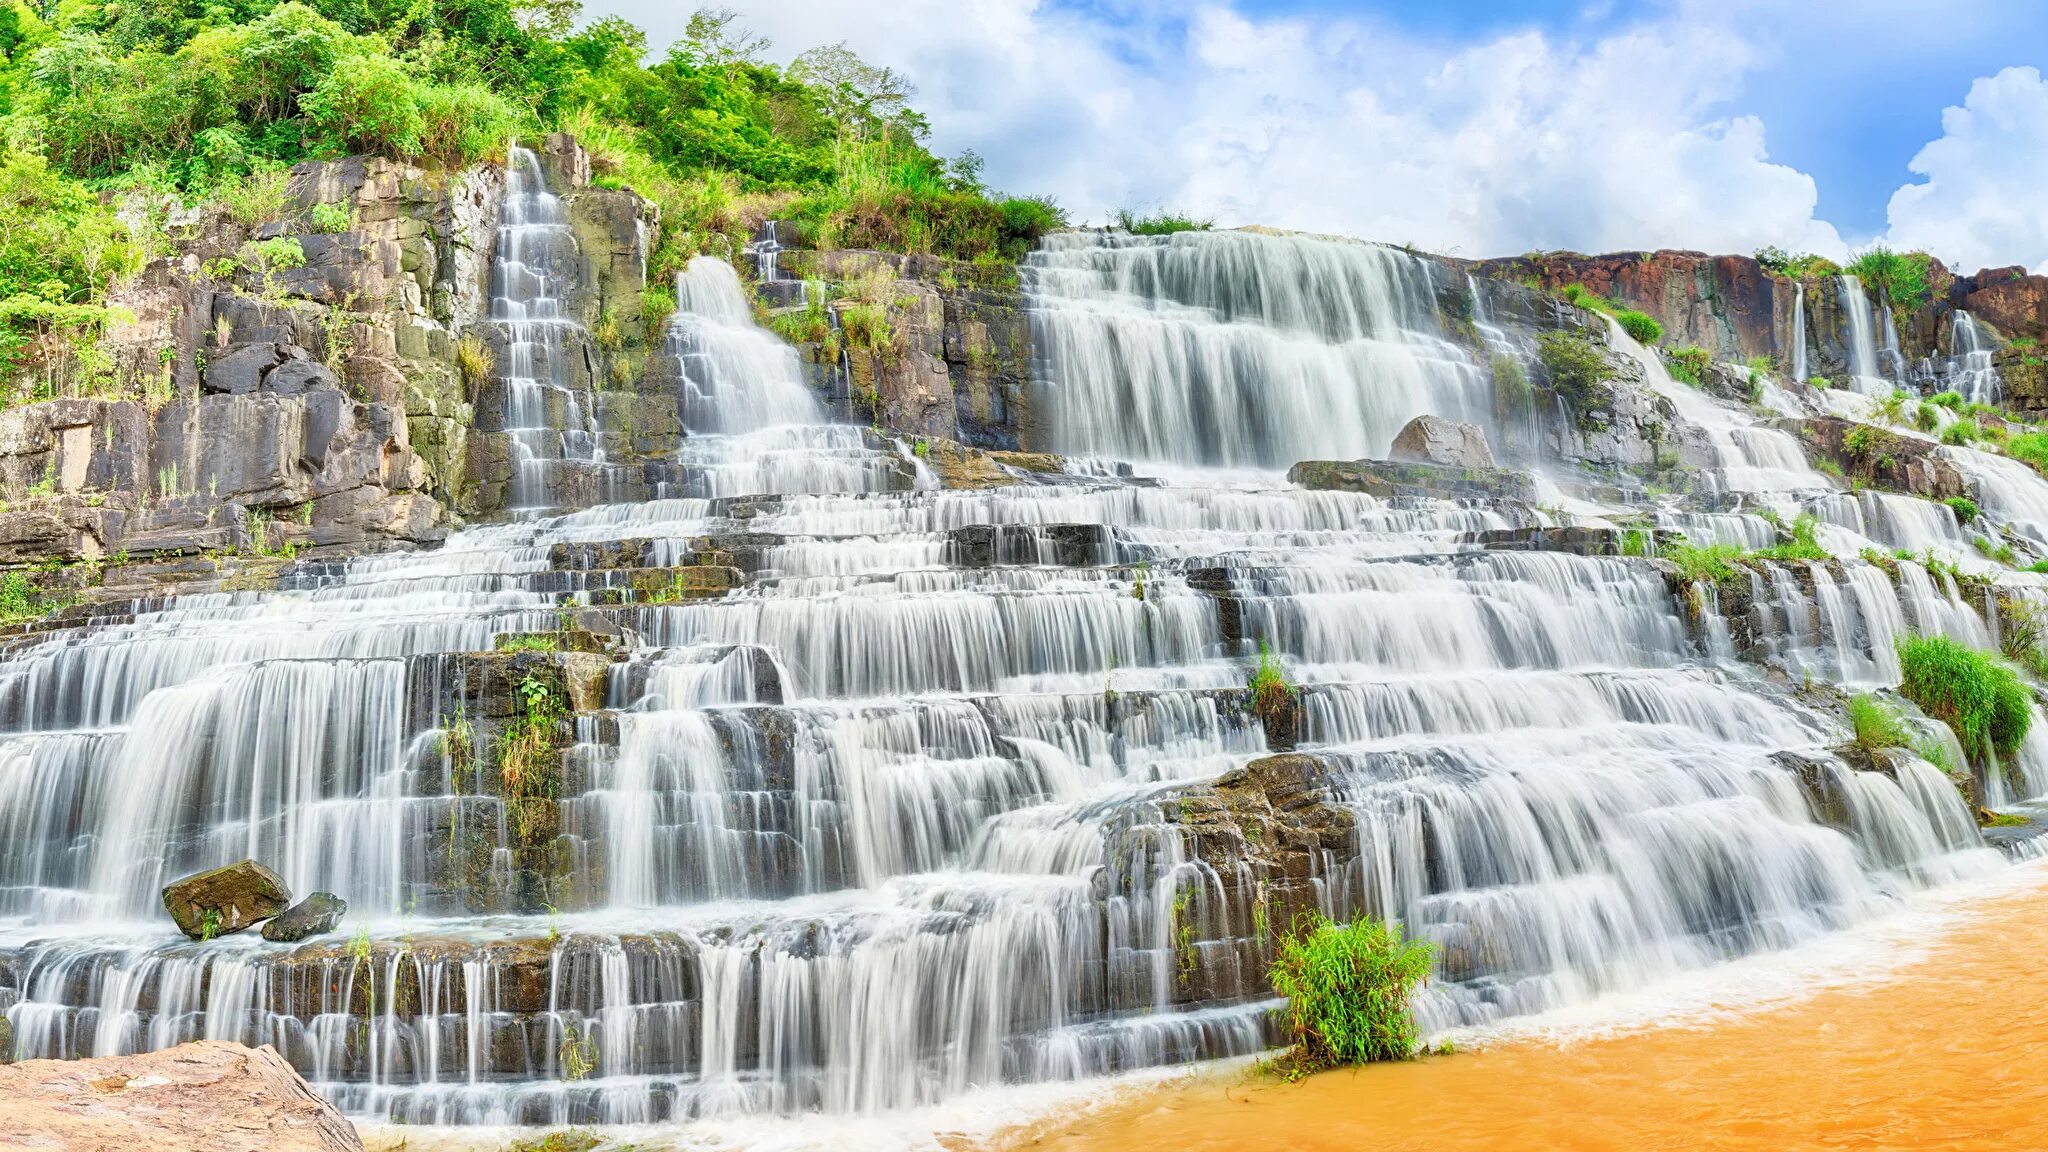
[1389, 479]
[207, 1096]
[1881, 457]
[225, 900]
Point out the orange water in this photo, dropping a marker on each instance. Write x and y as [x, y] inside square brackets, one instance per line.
[1948, 1051]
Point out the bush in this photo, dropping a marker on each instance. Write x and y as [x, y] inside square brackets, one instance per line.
[1979, 697]
[1689, 364]
[1803, 266]
[1948, 400]
[1575, 366]
[1903, 278]
[2030, 448]
[1272, 695]
[1961, 433]
[1964, 508]
[366, 103]
[1347, 989]
[1711, 562]
[1640, 326]
[1804, 544]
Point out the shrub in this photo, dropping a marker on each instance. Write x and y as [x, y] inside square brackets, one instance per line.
[330, 218]
[1640, 326]
[1576, 367]
[1964, 508]
[2025, 627]
[1511, 391]
[367, 103]
[1689, 363]
[1347, 989]
[1803, 266]
[1711, 562]
[1979, 697]
[1272, 695]
[1860, 441]
[474, 363]
[1804, 544]
[1949, 400]
[1761, 366]
[1962, 432]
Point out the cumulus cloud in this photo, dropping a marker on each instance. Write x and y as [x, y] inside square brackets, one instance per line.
[1984, 199]
[1335, 124]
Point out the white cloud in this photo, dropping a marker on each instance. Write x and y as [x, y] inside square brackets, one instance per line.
[1984, 200]
[1335, 125]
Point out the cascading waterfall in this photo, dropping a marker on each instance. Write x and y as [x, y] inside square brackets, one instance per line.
[1972, 372]
[548, 404]
[1799, 333]
[1866, 370]
[909, 813]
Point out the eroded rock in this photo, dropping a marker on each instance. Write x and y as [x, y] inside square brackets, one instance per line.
[209, 1096]
[1388, 479]
[224, 900]
[314, 916]
[1431, 439]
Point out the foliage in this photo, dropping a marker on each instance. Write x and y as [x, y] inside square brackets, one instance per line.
[1962, 432]
[1347, 988]
[1964, 508]
[22, 601]
[1875, 726]
[2024, 631]
[1640, 326]
[2030, 447]
[1688, 364]
[1979, 697]
[1803, 266]
[1803, 545]
[1511, 391]
[1697, 562]
[1576, 367]
[1273, 695]
[527, 642]
[474, 362]
[1903, 278]
[1159, 223]
[1949, 400]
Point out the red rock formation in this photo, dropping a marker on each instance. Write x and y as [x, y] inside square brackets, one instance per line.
[1727, 304]
[208, 1096]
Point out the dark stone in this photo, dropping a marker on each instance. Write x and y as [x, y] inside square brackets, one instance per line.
[316, 915]
[238, 896]
[1388, 479]
[239, 371]
[295, 376]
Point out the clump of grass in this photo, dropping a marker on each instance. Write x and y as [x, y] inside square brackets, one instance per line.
[1641, 326]
[1961, 433]
[1979, 697]
[1574, 365]
[1697, 562]
[527, 642]
[1965, 508]
[1875, 726]
[2029, 448]
[1804, 544]
[1160, 223]
[474, 363]
[1949, 400]
[1273, 695]
[1347, 989]
[1904, 278]
[1688, 364]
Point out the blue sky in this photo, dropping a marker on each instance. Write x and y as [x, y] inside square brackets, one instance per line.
[1480, 127]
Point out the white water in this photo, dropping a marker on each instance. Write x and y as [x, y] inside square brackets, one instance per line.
[1866, 370]
[1799, 334]
[945, 844]
[1972, 373]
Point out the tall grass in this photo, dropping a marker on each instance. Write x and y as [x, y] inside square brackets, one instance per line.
[1347, 989]
[1980, 697]
[1875, 726]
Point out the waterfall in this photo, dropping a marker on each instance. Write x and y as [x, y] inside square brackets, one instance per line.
[930, 802]
[1971, 371]
[548, 402]
[1799, 333]
[1865, 369]
[1241, 349]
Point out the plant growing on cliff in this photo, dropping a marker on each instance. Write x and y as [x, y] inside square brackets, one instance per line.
[1962, 432]
[1902, 278]
[1949, 400]
[474, 363]
[1803, 542]
[2030, 448]
[1348, 988]
[1964, 508]
[1703, 562]
[1574, 365]
[1980, 697]
[1159, 223]
[1688, 364]
[1874, 726]
[2023, 630]
[1273, 695]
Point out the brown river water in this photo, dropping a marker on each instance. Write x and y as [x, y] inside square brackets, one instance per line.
[1944, 1049]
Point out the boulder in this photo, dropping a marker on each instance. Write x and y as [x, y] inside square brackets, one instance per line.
[237, 897]
[316, 915]
[1434, 440]
[298, 375]
[208, 1096]
[239, 371]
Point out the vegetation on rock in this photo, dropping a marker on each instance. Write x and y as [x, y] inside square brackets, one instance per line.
[1902, 278]
[1803, 266]
[1159, 223]
[1641, 327]
[1347, 989]
[1979, 697]
[1576, 367]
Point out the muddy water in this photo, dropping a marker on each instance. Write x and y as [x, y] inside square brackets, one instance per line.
[1946, 1050]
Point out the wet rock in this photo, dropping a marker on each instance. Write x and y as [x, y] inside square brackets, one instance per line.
[1577, 540]
[1388, 479]
[314, 916]
[224, 900]
[1434, 440]
[209, 1096]
[6, 1041]
[1881, 457]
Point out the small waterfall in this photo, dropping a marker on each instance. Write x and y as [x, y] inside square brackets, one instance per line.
[1971, 371]
[1865, 368]
[548, 402]
[737, 376]
[1799, 333]
[1241, 349]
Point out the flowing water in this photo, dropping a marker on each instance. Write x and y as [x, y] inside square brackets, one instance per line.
[1972, 372]
[1866, 367]
[910, 813]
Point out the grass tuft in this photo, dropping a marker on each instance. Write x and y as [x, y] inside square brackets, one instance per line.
[1347, 989]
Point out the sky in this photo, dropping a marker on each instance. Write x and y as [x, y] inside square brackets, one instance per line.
[1480, 128]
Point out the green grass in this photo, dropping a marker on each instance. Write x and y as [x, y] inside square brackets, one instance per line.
[1688, 364]
[1642, 327]
[1576, 367]
[1875, 726]
[1800, 266]
[2030, 448]
[1804, 544]
[1704, 562]
[1272, 693]
[1961, 433]
[1965, 508]
[1949, 400]
[2023, 635]
[1903, 278]
[1160, 223]
[1347, 989]
[527, 642]
[1980, 697]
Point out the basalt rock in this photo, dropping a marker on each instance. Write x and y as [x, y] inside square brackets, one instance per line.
[225, 900]
[314, 916]
[207, 1096]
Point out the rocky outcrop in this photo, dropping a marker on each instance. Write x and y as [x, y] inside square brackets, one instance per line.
[1729, 305]
[1388, 480]
[208, 1096]
[1881, 457]
[316, 915]
[1435, 440]
[225, 900]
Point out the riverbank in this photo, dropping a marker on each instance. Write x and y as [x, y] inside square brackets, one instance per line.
[1941, 1049]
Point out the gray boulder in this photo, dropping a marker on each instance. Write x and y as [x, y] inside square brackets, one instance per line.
[298, 375]
[316, 915]
[239, 371]
[224, 900]
[1435, 440]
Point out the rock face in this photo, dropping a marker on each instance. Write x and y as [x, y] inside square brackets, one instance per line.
[1387, 479]
[1727, 304]
[224, 900]
[1880, 457]
[314, 916]
[1435, 440]
[209, 1096]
